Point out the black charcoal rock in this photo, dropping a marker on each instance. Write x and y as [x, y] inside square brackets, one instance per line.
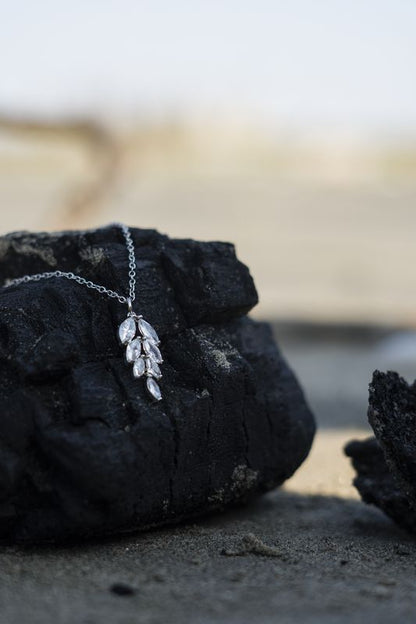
[386, 464]
[83, 451]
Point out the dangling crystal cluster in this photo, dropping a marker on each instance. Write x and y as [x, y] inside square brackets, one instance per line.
[142, 351]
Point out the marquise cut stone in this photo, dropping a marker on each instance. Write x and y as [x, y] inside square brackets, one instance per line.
[152, 351]
[133, 350]
[127, 330]
[138, 368]
[153, 368]
[153, 388]
[148, 332]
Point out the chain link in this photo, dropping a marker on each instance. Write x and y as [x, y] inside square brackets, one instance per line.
[88, 283]
[132, 260]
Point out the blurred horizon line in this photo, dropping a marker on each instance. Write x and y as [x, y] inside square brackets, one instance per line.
[233, 122]
[204, 147]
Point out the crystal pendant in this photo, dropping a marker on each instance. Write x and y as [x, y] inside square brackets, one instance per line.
[148, 332]
[127, 330]
[153, 368]
[153, 389]
[133, 350]
[139, 368]
[141, 341]
[152, 351]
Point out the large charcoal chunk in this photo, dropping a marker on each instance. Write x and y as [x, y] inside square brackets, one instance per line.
[83, 451]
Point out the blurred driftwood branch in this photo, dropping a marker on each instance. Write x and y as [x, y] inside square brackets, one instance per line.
[104, 154]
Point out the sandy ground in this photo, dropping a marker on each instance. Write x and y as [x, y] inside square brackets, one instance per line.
[311, 552]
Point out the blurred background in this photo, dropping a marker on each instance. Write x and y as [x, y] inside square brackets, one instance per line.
[288, 128]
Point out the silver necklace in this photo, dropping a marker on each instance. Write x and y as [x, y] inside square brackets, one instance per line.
[134, 333]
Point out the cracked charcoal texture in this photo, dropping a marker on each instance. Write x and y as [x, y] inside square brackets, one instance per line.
[386, 464]
[83, 451]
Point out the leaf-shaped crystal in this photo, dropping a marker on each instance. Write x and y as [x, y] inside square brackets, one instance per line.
[127, 330]
[153, 369]
[153, 388]
[133, 350]
[147, 331]
[138, 368]
[152, 351]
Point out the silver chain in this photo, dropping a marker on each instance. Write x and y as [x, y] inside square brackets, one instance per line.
[88, 283]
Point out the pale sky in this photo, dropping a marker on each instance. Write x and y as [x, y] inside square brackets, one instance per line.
[301, 62]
